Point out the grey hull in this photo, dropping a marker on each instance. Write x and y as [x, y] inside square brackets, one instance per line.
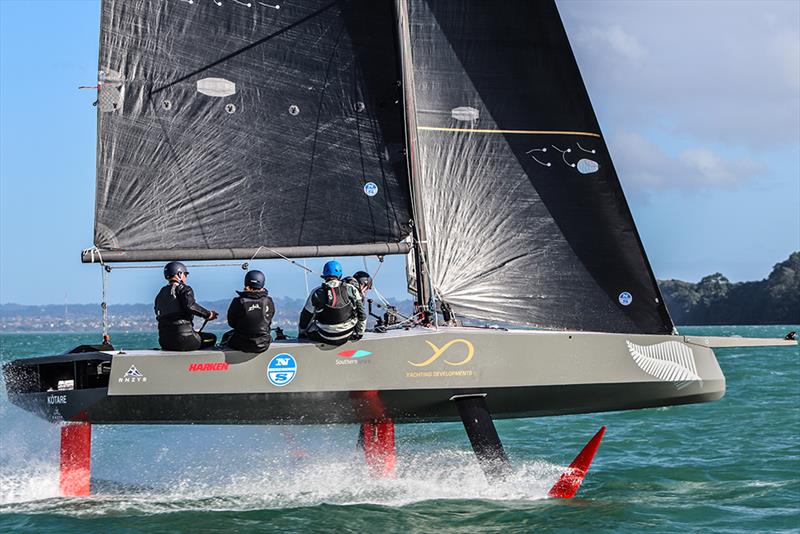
[408, 375]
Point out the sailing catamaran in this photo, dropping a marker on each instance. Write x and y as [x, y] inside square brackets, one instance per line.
[457, 133]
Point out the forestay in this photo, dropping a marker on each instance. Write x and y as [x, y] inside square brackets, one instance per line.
[228, 126]
[526, 221]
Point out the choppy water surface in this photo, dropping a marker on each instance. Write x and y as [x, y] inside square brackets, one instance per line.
[728, 466]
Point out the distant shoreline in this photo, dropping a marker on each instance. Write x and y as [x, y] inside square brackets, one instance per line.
[713, 301]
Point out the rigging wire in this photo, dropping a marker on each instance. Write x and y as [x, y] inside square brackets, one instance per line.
[306, 274]
[282, 257]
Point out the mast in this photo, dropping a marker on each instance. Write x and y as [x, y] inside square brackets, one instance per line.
[412, 154]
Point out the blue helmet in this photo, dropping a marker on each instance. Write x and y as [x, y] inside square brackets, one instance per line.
[332, 268]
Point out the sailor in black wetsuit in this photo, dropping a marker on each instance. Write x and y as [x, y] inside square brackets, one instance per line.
[175, 307]
[250, 316]
[334, 312]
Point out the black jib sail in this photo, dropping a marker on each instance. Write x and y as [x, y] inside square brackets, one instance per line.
[526, 221]
[227, 126]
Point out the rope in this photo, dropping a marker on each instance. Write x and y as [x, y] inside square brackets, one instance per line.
[282, 257]
[104, 300]
[306, 274]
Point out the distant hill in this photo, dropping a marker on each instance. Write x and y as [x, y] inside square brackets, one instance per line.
[716, 300]
[713, 300]
[132, 317]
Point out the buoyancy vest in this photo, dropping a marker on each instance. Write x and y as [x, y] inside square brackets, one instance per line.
[169, 311]
[335, 305]
[250, 315]
[252, 319]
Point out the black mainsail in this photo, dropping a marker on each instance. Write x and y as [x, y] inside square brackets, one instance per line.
[224, 128]
[526, 221]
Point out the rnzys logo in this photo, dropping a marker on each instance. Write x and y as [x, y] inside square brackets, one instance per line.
[439, 351]
[132, 376]
[281, 369]
[254, 307]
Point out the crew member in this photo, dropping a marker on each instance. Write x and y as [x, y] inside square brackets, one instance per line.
[175, 307]
[334, 312]
[362, 281]
[250, 315]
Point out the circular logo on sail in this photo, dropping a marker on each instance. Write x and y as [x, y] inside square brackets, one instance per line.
[370, 189]
[281, 369]
[625, 298]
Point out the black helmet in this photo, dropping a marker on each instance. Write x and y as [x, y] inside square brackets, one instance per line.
[173, 268]
[255, 279]
[363, 278]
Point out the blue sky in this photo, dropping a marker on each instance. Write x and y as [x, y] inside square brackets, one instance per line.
[699, 103]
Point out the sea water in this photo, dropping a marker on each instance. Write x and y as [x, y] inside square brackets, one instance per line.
[728, 466]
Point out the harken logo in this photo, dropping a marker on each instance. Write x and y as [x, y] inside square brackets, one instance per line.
[211, 366]
[132, 376]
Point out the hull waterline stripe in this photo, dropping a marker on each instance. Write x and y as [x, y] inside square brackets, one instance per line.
[522, 132]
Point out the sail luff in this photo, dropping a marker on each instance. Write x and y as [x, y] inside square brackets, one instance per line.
[412, 154]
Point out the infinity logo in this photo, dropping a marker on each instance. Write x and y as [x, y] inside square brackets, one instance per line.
[437, 352]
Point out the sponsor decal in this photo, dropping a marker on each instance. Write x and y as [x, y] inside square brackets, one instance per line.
[351, 357]
[281, 369]
[132, 376]
[354, 353]
[464, 354]
[211, 366]
[370, 189]
[56, 399]
[670, 361]
[438, 352]
[625, 298]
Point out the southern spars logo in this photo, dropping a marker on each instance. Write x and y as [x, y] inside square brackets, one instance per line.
[350, 357]
[132, 376]
[211, 366]
[281, 369]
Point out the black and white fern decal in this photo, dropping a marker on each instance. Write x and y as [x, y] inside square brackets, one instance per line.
[669, 361]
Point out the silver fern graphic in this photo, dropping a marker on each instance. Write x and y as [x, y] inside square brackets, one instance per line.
[669, 361]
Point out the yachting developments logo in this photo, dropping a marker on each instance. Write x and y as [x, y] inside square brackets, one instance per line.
[281, 369]
[132, 376]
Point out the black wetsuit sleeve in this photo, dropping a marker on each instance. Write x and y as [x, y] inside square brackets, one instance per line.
[186, 298]
[269, 313]
[234, 313]
[307, 314]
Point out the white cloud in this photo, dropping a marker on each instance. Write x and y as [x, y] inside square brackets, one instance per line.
[643, 166]
[719, 74]
[614, 39]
